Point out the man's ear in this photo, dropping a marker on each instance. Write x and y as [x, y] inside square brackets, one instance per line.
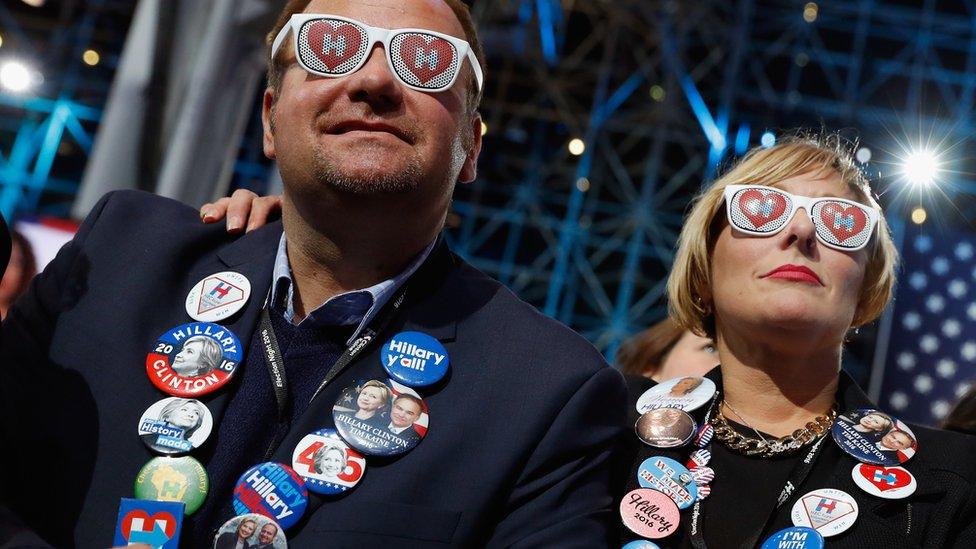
[469, 170]
[267, 114]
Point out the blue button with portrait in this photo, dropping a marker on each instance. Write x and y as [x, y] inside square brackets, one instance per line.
[415, 359]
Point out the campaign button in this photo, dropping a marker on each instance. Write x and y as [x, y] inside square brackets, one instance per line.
[641, 544]
[218, 297]
[665, 428]
[699, 458]
[155, 523]
[704, 491]
[381, 418]
[828, 511]
[704, 435]
[174, 479]
[193, 359]
[686, 393]
[870, 436]
[250, 530]
[649, 513]
[797, 537]
[175, 425]
[415, 359]
[702, 475]
[670, 478]
[327, 464]
[884, 482]
[274, 490]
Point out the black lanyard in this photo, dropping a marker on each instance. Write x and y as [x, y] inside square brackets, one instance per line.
[275, 362]
[798, 475]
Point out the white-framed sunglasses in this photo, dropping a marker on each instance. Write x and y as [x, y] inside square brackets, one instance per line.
[841, 224]
[334, 46]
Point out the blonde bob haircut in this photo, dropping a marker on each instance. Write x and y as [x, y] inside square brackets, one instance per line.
[797, 154]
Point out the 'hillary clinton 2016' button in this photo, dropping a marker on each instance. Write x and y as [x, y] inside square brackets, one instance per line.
[193, 359]
[871, 436]
[274, 490]
[415, 359]
[327, 464]
[174, 479]
[218, 296]
[381, 418]
[649, 513]
[175, 425]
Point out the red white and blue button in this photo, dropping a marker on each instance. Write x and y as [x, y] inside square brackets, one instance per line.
[670, 478]
[155, 523]
[274, 490]
[327, 464]
[193, 359]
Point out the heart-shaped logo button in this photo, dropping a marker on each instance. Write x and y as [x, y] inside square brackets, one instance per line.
[333, 46]
[843, 221]
[140, 521]
[761, 209]
[426, 57]
[884, 482]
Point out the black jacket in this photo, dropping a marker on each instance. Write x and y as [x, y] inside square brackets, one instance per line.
[941, 512]
[520, 434]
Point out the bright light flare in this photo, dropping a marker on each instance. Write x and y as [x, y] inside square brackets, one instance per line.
[921, 167]
[576, 146]
[15, 76]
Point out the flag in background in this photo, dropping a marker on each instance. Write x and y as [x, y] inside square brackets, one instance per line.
[931, 358]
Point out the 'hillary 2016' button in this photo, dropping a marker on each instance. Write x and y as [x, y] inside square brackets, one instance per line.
[218, 296]
[415, 359]
[649, 513]
[175, 425]
[796, 537]
[871, 436]
[274, 490]
[327, 464]
[174, 479]
[670, 478]
[381, 418]
[193, 359]
[250, 530]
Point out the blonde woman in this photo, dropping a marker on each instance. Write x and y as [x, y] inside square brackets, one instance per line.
[778, 260]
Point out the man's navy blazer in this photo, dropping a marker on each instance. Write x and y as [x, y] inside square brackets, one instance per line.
[520, 434]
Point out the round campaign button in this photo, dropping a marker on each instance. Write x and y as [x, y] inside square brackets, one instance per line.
[797, 537]
[415, 359]
[193, 359]
[699, 458]
[702, 475]
[649, 513]
[670, 478]
[250, 530]
[687, 393]
[665, 428]
[327, 464]
[274, 490]
[381, 418]
[175, 425]
[704, 492]
[870, 436]
[218, 296]
[174, 479]
[641, 544]
[884, 482]
[704, 435]
[828, 511]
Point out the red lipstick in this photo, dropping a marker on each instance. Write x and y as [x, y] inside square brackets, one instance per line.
[796, 273]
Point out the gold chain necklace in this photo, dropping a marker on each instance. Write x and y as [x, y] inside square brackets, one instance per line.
[763, 447]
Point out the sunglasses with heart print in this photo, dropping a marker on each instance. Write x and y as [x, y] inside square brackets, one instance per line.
[763, 211]
[333, 46]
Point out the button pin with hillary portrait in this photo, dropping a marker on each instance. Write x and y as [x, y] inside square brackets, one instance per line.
[175, 425]
[665, 428]
[174, 479]
[193, 359]
[381, 418]
[327, 464]
[250, 530]
[415, 359]
[218, 296]
[686, 393]
[872, 436]
[274, 490]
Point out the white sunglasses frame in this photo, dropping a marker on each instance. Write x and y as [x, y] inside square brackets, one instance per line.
[380, 35]
[807, 203]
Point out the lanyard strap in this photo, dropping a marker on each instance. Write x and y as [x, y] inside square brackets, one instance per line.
[275, 360]
[797, 476]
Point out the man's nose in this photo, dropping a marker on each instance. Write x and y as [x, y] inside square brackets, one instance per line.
[374, 83]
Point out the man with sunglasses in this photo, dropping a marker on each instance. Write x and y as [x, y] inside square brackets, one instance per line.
[371, 114]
